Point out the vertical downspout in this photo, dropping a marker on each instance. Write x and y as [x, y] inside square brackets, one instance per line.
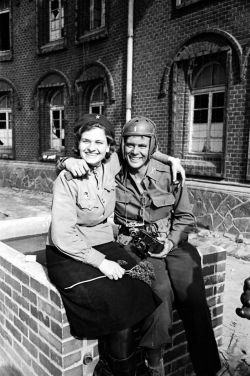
[129, 59]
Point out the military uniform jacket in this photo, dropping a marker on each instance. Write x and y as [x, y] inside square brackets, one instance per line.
[155, 200]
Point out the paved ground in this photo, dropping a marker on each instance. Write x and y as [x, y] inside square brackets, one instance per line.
[235, 350]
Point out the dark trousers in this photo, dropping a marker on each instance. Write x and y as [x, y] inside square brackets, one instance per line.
[184, 267]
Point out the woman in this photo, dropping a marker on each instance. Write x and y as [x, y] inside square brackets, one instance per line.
[94, 276]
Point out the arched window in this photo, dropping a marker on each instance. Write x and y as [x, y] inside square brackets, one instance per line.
[96, 103]
[57, 136]
[5, 124]
[207, 109]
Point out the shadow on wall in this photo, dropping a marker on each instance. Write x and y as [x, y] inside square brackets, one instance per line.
[9, 370]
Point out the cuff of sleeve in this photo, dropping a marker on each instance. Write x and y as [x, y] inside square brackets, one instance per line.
[95, 258]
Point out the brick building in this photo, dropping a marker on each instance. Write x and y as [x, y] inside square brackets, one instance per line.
[185, 60]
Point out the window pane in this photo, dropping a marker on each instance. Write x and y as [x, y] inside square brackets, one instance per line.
[56, 20]
[200, 116]
[4, 31]
[97, 94]
[199, 135]
[57, 131]
[56, 114]
[5, 130]
[56, 124]
[210, 75]
[201, 101]
[217, 115]
[97, 13]
[95, 109]
[198, 145]
[4, 101]
[217, 130]
[216, 145]
[3, 117]
[219, 77]
[218, 100]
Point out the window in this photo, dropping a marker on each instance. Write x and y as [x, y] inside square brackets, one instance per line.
[5, 125]
[91, 18]
[5, 30]
[57, 140]
[207, 110]
[96, 105]
[51, 25]
[56, 21]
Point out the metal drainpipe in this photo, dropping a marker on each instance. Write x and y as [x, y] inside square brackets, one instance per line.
[129, 59]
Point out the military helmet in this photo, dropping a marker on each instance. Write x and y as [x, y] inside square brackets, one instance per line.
[140, 126]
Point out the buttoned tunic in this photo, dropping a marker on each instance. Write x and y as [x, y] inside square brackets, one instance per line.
[80, 210]
[155, 200]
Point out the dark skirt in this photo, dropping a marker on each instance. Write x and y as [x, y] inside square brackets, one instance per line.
[99, 306]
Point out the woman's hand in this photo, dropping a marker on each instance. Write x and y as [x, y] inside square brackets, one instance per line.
[77, 167]
[168, 245]
[111, 269]
[177, 168]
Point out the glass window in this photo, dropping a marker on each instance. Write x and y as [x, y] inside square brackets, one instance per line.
[5, 123]
[91, 15]
[51, 27]
[57, 133]
[56, 22]
[96, 105]
[207, 121]
[4, 25]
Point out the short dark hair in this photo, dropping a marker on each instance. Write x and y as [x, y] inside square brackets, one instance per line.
[84, 127]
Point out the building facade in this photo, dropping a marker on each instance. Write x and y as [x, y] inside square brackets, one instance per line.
[189, 73]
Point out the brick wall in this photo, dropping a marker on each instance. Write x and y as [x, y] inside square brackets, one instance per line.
[34, 330]
[159, 32]
[27, 68]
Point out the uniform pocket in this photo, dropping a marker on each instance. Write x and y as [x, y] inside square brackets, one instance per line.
[167, 199]
[85, 202]
[122, 196]
[110, 187]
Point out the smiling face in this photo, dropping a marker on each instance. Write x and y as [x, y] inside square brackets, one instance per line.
[136, 151]
[93, 146]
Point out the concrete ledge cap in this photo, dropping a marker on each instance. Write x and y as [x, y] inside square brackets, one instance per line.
[15, 228]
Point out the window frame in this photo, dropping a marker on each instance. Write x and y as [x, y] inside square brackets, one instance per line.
[60, 21]
[210, 91]
[7, 151]
[61, 128]
[61, 109]
[43, 28]
[91, 33]
[100, 104]
[6, 55]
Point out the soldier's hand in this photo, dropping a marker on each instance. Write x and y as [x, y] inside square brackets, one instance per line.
[168, 245]
[77, 167]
